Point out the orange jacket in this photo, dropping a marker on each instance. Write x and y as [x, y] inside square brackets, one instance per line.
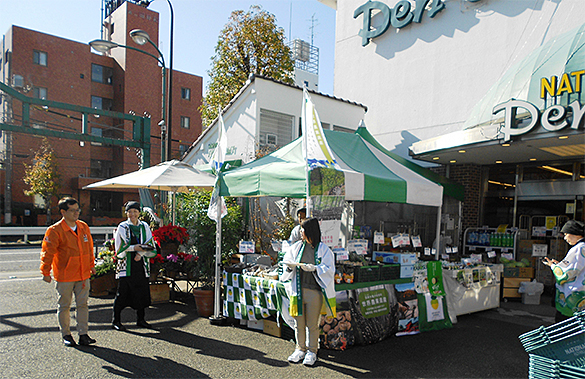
[68, 254]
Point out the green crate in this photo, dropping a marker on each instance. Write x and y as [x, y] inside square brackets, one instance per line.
[363, 274]
[390, 271]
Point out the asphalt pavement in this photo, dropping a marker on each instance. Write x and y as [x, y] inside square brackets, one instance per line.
[481, 345]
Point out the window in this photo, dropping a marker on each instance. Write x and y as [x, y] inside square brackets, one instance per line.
[39, 57]
[185, 122]
[100, 169]
[186, 93]
[101, 103]
[275, 128]
[101, 74]
[40, 93]
[17, 81]
[183, 149]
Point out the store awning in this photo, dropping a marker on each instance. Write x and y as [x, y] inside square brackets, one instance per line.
[562, 54]
[480, 141]
[370, 172]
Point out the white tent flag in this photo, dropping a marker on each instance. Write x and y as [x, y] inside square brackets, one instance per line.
[315, 148]
[216, 162]
[218, 157]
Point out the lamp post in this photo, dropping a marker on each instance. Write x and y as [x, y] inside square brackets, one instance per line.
[145, 4]
[141, 38]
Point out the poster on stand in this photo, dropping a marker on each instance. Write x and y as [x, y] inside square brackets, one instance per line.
[407, 309]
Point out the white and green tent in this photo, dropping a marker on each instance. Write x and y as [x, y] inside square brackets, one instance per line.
[368, 173]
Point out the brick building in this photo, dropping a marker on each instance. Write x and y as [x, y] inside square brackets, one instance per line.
[122, 80]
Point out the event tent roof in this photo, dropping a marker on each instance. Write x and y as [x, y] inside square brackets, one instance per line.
[371, 173]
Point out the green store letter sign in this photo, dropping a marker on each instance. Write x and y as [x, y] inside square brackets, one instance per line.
[399, 16]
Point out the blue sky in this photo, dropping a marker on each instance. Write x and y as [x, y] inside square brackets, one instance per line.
[197, 26]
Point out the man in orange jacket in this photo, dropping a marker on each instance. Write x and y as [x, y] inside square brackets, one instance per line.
[68, 251]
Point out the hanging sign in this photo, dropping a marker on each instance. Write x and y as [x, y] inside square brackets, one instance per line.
[246, 247]
[379, 237]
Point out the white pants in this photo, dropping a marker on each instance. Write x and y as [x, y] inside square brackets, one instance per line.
[65, 291]
[308, 322]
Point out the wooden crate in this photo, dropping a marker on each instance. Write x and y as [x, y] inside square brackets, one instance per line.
[159, 293]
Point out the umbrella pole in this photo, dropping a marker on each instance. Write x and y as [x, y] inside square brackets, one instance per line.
[439, 212]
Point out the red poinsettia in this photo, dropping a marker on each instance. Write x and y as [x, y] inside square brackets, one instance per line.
[170, 233]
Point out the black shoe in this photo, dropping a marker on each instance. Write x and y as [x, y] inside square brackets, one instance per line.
[85, 340]
[118, 326]
[144, 324]
[69, 341]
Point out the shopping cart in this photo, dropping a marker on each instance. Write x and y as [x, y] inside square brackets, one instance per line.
[557, 351]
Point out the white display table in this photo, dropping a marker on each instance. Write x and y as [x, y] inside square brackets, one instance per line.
[474, 289]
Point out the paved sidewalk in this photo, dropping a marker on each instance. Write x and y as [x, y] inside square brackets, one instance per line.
[480, 345]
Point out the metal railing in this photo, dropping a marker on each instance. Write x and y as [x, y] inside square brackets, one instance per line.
[26, 231]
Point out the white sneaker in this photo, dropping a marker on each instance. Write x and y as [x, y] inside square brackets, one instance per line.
[310, 358]
[297, 356]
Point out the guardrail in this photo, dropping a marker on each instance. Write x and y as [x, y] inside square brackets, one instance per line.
[27, 231]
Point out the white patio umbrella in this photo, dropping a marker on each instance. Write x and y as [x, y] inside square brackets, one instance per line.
[174, 176]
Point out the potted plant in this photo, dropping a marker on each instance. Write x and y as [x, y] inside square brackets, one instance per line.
[103, 281]
[201, 243]
[156, 265]
[169, 237]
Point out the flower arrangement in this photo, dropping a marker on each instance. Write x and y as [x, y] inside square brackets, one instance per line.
[169, 234]
[179, 262]
[105, 262]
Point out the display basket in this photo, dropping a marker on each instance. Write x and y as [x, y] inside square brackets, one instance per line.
[390, 271]
[545, 368]
[563, 341]
[366, 274]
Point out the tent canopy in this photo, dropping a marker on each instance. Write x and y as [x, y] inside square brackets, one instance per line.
[370, 173]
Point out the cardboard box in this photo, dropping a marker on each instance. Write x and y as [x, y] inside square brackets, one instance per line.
[159, 293]
[525, 272]
[385, 257]
[256, 325]
[511, 292]
[272, 328]
[514, 282]
[511, 272]
[406, 271]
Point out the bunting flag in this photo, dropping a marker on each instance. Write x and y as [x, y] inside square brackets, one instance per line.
[315, 148]
[216, 162]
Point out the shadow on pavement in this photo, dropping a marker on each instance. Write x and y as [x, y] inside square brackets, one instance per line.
[136, 366]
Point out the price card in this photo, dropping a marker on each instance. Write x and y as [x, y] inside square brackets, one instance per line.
[359, 246]
[379, 237]
[396, 239]
[455, 249]
[539, 250]
[404, 240]
[416, 241]
[434, 252]
[491, 254]
[448, 250]
[471, 248]
[246, 247]
[475, 257]
[427, 251]
[445, 256]
[507, 256]
[276, 245]
[341, 253]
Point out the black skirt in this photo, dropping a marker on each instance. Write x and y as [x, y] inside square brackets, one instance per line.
[134, 290]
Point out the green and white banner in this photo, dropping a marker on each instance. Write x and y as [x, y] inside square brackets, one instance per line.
[250, 297]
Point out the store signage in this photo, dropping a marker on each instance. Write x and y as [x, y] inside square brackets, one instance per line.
[553, 118]
[400, 16]
[569, 83]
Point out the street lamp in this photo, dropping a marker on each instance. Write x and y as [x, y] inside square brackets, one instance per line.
[141, 38]
[145, 4]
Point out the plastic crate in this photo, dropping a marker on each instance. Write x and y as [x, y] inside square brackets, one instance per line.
[563, 341]
[390, 271]
[544, 368]
[363, 274]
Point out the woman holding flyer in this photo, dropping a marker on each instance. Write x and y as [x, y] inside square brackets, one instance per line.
[309, 280]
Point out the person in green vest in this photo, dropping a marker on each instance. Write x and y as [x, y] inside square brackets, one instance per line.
[134, 245]
[570, 272]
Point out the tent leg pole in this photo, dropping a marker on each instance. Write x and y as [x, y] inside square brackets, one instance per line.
[438, 238]
[217, 318]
